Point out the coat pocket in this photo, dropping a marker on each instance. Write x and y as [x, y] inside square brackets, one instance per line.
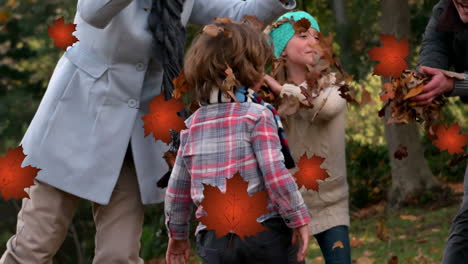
[89, 84]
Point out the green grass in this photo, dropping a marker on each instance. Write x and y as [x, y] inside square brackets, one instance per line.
[420, 239]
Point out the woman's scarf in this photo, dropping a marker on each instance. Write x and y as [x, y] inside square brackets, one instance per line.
[169, 38]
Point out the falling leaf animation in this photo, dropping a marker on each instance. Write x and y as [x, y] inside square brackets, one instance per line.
[391, 56]
[401, 152]
[62, 34]
[162, 117]
[180, 86]
[337, 244]
[234, 210]
[389, 92]
[450, 139]
[310, 172]
[366, 98]
[13, 178]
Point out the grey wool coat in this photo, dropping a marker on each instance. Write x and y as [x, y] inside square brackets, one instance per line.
[100, 89]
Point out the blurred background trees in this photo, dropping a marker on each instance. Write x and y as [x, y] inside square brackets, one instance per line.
[28, 57]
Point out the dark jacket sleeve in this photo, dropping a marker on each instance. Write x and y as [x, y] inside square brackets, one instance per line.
[435, 49]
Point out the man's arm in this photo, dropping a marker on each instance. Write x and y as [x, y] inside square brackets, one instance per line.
[435, 48]
[99, 13]
[204, 11]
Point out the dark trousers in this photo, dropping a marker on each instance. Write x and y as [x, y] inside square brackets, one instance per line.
[272, 246]
[327, 240]
[456, 249]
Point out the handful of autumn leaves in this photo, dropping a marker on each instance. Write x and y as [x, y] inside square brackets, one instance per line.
[325, 72]
[397, 94]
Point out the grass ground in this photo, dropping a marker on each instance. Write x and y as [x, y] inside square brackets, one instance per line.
[414, 235]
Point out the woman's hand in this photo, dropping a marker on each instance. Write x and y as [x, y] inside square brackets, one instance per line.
[178, 251]
[273, 84]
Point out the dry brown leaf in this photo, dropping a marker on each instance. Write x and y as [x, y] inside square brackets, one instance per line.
[230, 80]
[365, 260]
[415, 91]
[252, 20]
[411, 218]
[366, 98]
[337, 244]
[422, 240]
[302, 25]
[211, 30]
[393, 260]
[223, 20]
[389, 92]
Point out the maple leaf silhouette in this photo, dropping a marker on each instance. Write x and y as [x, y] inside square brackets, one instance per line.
[162, 117]
[391, 56]
[450, 139]
[62, 34]
[13, 178]
[234, 210]
[310, 172]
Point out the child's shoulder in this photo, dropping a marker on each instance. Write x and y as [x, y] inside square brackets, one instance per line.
[223, 110]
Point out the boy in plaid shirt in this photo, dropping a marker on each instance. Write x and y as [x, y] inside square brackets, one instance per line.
[233, 131]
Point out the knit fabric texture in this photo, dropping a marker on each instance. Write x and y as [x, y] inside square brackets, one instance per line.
[282, 34]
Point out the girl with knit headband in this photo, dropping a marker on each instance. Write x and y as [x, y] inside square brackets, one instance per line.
[232, 131]
[315, 126]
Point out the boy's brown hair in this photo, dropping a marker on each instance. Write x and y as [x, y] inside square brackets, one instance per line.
[242, 47]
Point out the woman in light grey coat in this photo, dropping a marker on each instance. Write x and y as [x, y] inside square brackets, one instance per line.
[91, 111]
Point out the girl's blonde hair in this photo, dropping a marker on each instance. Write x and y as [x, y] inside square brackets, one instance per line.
[242, 47]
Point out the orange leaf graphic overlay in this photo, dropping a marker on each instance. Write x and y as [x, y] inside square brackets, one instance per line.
[234, 210]
[13, 178]
[162, 117]
[62, 34]
[310, 172]
[450, 138]
[391, 56]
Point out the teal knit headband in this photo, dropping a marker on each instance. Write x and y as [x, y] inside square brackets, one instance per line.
[282, 34]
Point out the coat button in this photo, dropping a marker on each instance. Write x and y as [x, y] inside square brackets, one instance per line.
[140, 66]
[132, 103]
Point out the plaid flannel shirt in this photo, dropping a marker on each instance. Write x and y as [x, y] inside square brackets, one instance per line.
[223, 139]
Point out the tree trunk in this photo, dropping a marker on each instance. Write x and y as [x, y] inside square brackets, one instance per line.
[411, 176]
[343, 32]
